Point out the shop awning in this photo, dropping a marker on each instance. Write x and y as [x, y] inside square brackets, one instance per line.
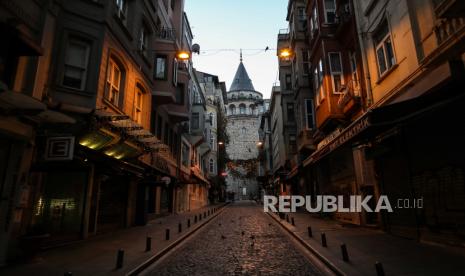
[381, 118]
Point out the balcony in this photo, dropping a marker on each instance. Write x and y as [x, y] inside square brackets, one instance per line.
[166, 34]
[349, 100]
[449, 8]
[283, 34]
[448, 29]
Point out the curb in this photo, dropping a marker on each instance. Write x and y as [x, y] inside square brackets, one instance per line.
[167, 249]
[315, 252]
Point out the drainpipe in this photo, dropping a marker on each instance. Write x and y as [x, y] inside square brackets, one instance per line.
[366, 71]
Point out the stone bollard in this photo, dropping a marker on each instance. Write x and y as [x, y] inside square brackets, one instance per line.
[287, 218]
[179, 228]
[323, 240]
[148, 244]
[379, 269]
[167, 234]
[195, 219]
[292, 220]
[188, 223]
[119, 258]
[345, 254]
[309, 229]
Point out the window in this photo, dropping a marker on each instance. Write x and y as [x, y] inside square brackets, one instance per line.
[114, 83]
[314, 21]
[335, 67]
[138, 103]
[185, 154]
[210, 118]
[252, 109]
[121, 10]
[305, 62]
[243, 130]
[212, 166]
[330, 11]
[355, 80]
[288, 81]
[195, 123]
[242, 109]
[232, 109]
[180, 94]
[309, 115]
[318, 74]
[301, 13]
[175, 72]
[143, 40]
[160, 68]
[290, 112]
[76, 62]
[384, 50]
[212, 140]
[172, 4]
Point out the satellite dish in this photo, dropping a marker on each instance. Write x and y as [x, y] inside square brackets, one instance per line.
[196, 48]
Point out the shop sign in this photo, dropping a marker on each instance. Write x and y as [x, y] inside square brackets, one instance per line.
[349, 133]
[59, 148]
[329, 138]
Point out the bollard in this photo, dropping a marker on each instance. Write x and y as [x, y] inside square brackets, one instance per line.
[119, 259]
[167, 234]
[287, 218]
[345, 254]
[379, 269]
[148, 244]
[204, 214]
[69, 273]
[292, 220]
[179, 228]
[310, 234]
[188, 223]
[195, 219]
[323, 240]
[200, 217]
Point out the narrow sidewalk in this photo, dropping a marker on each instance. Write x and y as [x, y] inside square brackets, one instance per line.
[365, 247]
[97, 255]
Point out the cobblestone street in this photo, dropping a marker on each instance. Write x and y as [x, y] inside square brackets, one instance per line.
[241, 241]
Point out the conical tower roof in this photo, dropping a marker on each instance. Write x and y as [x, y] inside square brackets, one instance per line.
[241, 81]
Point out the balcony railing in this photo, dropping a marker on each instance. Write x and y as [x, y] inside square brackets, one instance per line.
[448, 28]
[350, 91]
[166, 33]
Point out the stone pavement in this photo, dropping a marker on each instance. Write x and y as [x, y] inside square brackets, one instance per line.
[97, 255]
[398, 256]
[242, 240]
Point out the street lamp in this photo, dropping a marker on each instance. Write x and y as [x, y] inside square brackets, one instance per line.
[259, 143]
[285, 53]
[220, 143]
[183, 55]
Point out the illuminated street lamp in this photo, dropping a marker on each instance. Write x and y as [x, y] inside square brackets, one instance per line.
[285, 53]
[183, 55]
[259, 143]
[220, 143]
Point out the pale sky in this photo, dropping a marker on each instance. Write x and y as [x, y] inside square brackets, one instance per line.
[234, 24]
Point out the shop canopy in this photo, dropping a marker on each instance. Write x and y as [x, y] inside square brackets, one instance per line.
[375, 120]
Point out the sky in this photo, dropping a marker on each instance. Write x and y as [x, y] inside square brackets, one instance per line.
[222, 27]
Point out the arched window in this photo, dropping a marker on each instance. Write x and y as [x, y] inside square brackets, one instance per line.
[210, 118]
[252, 109]
[243, 131]
[242, 108]
[232, 109]
[212, 165]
